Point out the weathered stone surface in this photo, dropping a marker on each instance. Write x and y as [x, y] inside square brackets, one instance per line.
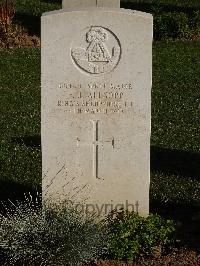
[90, 3]
[96, 107]
[108, 3]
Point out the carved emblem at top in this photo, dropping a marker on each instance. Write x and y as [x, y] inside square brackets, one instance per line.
[101, 55]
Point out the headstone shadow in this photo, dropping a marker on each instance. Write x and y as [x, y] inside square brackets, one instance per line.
[156, 7]
[186, 216]
[29, 141]
[176, 162]
[11, 191]
[187, 220]
[29, 22]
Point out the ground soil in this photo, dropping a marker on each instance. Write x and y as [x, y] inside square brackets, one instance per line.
[183, 257]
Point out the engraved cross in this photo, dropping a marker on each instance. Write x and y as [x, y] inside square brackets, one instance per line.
[96, 143]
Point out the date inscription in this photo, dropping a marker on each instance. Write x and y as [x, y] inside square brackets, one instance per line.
[96, 98]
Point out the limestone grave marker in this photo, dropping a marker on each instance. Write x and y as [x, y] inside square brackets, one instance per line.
[90, 3]
[96, 105]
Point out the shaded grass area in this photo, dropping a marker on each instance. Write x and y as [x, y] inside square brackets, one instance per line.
[28, 12]
[155, 6]
[37, 7]
[175, 152]
[176, 95]
[20, 161]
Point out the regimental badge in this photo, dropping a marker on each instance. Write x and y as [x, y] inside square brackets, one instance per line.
[101, 54]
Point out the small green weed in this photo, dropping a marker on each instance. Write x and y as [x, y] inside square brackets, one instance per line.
[130, 235]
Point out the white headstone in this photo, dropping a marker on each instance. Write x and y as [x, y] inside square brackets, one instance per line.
[90, 3]
[96, 107]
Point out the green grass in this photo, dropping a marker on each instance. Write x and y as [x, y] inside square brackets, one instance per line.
[176, 95]
[175, 122]
[172, 19]
[20, 156]
[176, 3]
[35, 7]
